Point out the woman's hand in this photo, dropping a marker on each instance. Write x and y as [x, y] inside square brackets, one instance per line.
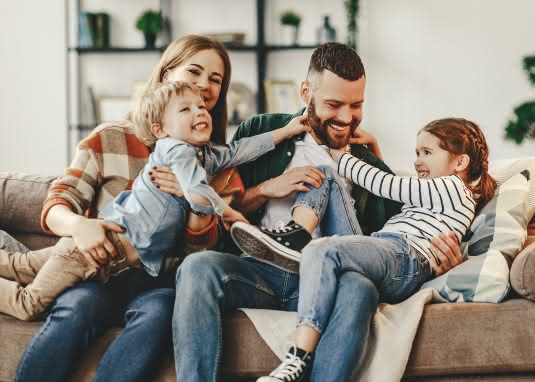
[164, 178]
[230, 216]
[89, 235]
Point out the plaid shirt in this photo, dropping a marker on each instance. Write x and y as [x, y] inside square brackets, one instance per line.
[106, 163]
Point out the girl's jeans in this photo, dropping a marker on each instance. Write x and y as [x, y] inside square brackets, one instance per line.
[332, 204]
[384, 259]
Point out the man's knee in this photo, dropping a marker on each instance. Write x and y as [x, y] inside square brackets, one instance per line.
[154, 306]
[200, 266]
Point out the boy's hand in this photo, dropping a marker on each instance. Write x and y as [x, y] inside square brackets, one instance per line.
[230, 216]
[298, 125]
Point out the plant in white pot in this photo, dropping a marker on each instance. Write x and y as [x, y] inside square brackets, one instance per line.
[290, 21]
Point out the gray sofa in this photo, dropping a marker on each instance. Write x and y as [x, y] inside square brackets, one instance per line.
[455, 342]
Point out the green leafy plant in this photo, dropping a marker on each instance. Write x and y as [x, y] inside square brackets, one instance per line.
[150, 22]
[289, 17]
[522, 124]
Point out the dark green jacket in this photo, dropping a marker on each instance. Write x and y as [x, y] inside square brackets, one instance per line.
[372, 211]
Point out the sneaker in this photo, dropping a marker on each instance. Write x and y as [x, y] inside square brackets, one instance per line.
[294, 368]
[280, 247]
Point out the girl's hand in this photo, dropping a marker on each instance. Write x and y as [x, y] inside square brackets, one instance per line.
[362, 137]
[230, 216]
[89, 235]
[164, 178]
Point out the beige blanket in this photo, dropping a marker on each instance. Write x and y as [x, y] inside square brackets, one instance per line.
[393, 330]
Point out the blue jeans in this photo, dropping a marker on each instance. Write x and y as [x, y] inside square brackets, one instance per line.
[211, 283]
[385, 260]
[332, 204]
[83, 313]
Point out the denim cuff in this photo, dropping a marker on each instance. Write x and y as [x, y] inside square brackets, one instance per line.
[304, 203]
[310, 323]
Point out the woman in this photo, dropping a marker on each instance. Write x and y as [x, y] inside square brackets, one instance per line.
[106, 163]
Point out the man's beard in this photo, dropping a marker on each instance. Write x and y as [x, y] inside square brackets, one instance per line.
[320, 128]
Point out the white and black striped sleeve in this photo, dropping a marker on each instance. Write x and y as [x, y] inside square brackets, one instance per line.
[427, 193]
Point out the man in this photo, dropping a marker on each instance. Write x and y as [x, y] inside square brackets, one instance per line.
[210, 283]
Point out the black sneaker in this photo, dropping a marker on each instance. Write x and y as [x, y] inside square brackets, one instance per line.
[280, 247]
[294, 368]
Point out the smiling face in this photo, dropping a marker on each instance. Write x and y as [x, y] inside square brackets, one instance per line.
[432, 160]
[204, 69]
[186, 118]
[334, 107]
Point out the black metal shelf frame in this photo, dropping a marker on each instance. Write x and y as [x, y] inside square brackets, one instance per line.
[260, 49]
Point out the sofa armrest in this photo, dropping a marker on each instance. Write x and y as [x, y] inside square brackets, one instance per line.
[21, 201]
[522, 274]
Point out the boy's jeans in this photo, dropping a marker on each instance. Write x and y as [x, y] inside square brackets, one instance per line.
[332, 204]
[384, 259]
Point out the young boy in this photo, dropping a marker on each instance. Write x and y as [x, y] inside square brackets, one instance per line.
[172, 115]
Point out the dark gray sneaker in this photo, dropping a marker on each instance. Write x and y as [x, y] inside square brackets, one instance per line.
[278, 246]
[294, 368]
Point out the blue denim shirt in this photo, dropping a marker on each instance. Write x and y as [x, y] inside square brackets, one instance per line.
[154, 220]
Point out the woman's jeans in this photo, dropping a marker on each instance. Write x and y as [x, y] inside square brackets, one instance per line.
[385, 259]
[332, 204]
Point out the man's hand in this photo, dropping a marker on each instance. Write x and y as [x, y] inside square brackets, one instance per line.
[447, 251]
[164, 178]
[292, 181]
[89, 235]
[230, 216]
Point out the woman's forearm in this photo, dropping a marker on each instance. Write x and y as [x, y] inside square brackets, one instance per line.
[61, 220]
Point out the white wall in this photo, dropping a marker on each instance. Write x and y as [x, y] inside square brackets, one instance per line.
[430, 59]
[32, 86]
[425, 59]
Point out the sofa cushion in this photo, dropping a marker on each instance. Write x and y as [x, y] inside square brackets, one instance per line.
[21, 201]
[498, 230]
[452, 339]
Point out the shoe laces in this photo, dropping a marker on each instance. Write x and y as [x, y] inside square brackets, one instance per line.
[291, 368]
[280, 227]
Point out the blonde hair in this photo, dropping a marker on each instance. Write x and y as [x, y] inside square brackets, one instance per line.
[182, 49]
[461, 136]
[151, 106]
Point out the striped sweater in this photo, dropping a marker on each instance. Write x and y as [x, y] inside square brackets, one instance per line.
[431, 206]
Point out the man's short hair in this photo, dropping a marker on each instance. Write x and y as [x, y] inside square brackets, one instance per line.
[338, 58]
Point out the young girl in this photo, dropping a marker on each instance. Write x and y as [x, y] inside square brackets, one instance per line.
[453, 183]
[175, 116]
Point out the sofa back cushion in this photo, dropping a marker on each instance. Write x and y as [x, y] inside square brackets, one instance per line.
[21, 201]
[498, 234]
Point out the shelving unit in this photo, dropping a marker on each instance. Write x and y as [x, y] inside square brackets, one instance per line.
[261, 50]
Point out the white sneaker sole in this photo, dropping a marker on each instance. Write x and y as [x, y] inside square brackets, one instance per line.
[255, 243]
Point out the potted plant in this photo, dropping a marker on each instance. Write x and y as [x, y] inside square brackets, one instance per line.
[150, 23]
[290, 26]
[522, 123]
